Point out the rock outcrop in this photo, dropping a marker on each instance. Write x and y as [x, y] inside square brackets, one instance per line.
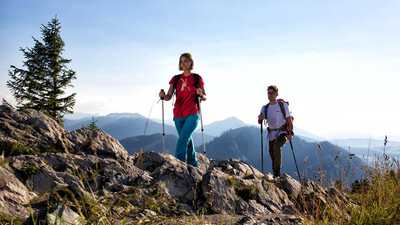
[14, 196]
[29, 130]
[51, 175]
[97, 142]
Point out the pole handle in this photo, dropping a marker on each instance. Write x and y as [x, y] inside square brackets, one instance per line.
[162, 98]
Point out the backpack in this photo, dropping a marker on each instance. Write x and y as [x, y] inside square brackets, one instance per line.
[281, 102]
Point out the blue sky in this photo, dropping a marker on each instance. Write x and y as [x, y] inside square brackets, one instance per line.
[336, 62]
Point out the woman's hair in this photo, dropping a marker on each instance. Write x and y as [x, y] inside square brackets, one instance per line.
[273, 87]
[188, 56]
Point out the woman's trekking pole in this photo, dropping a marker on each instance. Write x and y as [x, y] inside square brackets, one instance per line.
[295, 161]
[202, 126]
[163, 124]
[262, 147]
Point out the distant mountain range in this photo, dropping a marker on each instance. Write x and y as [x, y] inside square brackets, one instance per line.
[129, 128]
[151, 142]
[369, 149]
[218, 127]
[124, 125]
[365, 143]
[308, 136]
[334, 161]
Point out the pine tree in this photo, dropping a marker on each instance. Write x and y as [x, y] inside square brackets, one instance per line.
[92, 125]
[26, 84]
[59, 76]
[42, 84]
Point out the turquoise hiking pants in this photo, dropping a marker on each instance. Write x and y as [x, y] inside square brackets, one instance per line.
[185, 127]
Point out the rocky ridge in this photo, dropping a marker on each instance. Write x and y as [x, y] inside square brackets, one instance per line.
[53, 176]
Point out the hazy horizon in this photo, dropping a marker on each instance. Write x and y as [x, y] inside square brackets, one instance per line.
[337, 63]
[77, 116]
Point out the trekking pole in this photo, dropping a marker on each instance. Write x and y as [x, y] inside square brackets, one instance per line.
[262, 147]
[384, 148]
[385, 141]
[163, 124]
[146, 125]
[202, 126]
[295, 161]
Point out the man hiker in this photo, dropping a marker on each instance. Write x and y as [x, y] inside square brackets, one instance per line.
[189, 90]
[280, 126]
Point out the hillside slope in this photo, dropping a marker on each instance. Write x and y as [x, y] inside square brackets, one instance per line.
[86, 176]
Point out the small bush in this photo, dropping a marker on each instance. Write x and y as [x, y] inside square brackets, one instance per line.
[16, 148]
[29, 169]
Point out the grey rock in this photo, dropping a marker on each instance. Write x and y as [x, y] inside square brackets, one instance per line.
[238, 168]
[180, 179]
[39, 177]
[271, 219]
[63, 215]
[232, 186]
[219, 193]
[45, 172]
[33, 129]
[290, 185]
[97, 142]
[204, 163]
[14, 195]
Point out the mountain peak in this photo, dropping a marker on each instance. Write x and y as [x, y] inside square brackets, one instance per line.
[124, 114]
[218, 127]
[230, 119]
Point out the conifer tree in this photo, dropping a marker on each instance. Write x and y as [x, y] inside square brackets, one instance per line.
[26, 84]
[42, 82]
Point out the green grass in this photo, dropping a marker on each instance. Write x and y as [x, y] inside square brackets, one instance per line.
[21, 149]
[29, 169]
[379, 200]
[376, 198]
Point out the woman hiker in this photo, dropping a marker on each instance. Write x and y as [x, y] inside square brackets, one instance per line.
[189, 90]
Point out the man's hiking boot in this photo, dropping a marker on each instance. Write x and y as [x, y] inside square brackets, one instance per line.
[277, 178]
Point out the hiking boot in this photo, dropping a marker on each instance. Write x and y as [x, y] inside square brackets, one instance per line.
[277, 177]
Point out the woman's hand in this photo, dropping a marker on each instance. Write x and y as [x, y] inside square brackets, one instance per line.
[201, 94]
[162, 94]
[167, 96]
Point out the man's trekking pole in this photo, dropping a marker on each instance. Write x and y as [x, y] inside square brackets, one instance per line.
[202, 126]
[295, 161]
[384, 144]
[163, 124]
[262, 147]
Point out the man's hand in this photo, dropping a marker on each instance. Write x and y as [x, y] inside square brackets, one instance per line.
[260, 118]
[289, 127]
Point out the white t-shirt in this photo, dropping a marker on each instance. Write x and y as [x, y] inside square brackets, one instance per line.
[275, 118]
